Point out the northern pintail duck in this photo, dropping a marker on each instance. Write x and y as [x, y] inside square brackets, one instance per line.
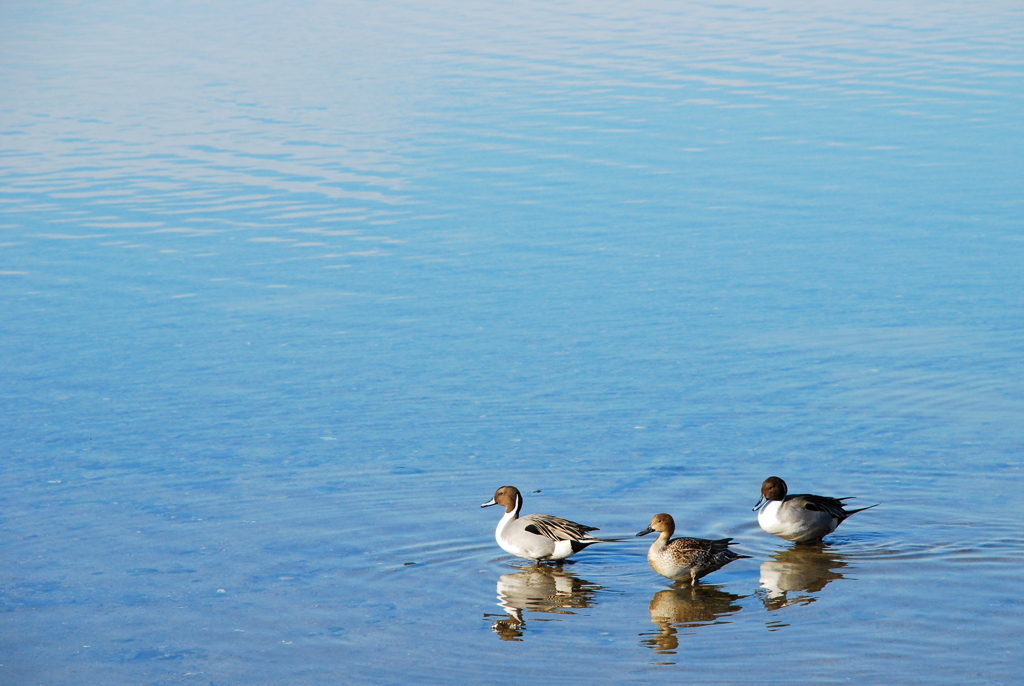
[537, 536]
[685, 559]
[799, 518]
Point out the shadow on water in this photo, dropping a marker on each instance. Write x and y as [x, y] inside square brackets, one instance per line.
[793, 575]
[538, 589]
[686, 607]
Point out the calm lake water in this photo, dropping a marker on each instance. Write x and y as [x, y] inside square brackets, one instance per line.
[287, 290]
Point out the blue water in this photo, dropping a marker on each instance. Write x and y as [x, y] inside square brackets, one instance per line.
[287, 291]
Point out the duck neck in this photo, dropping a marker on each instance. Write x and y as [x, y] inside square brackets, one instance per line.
[510, 515]
[513, 511]
[505, 520]
[663, 539]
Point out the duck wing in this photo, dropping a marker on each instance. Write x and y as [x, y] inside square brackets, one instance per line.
[715, 546]
[834, 507]
[556, 528]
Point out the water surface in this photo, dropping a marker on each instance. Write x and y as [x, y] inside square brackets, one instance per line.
[288, 291]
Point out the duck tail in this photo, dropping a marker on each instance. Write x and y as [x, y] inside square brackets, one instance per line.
[861, 509]
[723, 544]
[578, 544]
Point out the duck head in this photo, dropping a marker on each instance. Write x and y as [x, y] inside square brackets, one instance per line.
[662, 523]
[507, 496]
[773, 488]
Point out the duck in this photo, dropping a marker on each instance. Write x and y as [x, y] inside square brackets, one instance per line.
[685, 559]
[800, 518]
[537, 537]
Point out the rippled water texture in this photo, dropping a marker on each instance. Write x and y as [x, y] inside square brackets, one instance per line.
[287, 290]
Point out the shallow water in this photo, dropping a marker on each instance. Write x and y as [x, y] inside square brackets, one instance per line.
[288, 291]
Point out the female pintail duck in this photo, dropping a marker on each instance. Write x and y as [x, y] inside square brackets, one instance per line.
[799, 518]
[685, 558]
[537, 536]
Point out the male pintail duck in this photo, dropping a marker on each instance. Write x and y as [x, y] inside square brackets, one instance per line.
[799, 518]
[537, 536]
[685, 559]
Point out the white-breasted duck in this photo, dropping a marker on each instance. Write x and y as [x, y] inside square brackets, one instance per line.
[799, 518]
[537, 536]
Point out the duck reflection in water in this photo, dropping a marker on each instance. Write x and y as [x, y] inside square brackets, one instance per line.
[686, 607]
[539, 589]
[795, 570]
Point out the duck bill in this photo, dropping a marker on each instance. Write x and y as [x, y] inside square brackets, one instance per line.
[645, 531]
[760, 502]
[489, 503]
